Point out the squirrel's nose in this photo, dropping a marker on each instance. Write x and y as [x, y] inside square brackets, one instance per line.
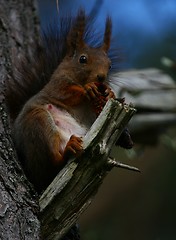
[101, 77]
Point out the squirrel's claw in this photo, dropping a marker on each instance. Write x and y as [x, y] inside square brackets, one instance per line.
[73, 147]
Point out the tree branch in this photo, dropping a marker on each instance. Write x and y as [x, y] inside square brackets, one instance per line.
[74, 187]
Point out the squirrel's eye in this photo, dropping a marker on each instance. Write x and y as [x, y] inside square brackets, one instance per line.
[83, 59]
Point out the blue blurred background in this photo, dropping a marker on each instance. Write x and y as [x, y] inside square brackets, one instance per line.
[144, 29]
[132, 206]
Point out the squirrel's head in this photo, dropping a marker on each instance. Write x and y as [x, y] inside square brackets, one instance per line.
[88, 63]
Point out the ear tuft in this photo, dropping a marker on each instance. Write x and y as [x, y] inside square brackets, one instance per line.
[107, 34]
[75, 39]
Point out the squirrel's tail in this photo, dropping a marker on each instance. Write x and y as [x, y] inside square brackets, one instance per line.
[33, 72]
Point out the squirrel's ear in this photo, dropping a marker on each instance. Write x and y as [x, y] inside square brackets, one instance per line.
[75, 37]
[107, 34]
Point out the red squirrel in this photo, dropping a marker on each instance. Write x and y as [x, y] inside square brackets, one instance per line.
[56, 97]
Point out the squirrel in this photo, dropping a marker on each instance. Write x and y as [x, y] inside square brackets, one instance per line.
[57, 94]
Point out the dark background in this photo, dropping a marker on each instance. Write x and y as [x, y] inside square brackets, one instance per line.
[131, 206]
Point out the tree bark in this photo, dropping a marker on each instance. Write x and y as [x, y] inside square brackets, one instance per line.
[18, 205]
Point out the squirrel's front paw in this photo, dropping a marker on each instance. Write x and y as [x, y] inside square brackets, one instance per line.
[92, 90]
[108, 93]
[98, 93]
[73, 147]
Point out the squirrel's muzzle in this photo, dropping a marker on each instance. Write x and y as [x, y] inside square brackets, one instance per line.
[101, 77]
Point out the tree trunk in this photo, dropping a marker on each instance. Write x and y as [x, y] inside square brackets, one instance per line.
[18, 206]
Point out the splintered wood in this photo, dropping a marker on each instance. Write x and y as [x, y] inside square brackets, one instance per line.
[76, 184]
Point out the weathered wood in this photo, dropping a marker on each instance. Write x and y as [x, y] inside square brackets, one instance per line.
[153, 93]
[74, 187]
[150, 89]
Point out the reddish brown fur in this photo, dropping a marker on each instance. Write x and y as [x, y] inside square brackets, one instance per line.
[56, 96]
[49, 127]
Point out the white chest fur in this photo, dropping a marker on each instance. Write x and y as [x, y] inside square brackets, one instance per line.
[66, 125]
